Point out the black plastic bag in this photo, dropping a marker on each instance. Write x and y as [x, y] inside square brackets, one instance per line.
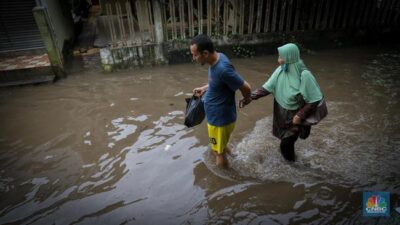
[194, 111]
[319, 113]
[315, 116]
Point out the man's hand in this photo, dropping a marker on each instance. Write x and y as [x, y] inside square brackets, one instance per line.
[246, 93]
[243, 102]
[199, 91]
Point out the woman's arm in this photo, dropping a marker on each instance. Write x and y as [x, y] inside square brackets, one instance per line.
[260, 92]
[305, 111]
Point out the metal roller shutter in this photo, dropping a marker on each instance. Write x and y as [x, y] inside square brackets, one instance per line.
[18, 29]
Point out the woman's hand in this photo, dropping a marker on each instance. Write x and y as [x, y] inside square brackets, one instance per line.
[296, 120]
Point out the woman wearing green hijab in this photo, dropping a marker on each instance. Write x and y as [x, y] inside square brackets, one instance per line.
[296, 94]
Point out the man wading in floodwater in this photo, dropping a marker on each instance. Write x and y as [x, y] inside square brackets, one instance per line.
[219, 100]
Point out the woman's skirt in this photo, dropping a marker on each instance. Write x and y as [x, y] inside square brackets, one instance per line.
[282, 124]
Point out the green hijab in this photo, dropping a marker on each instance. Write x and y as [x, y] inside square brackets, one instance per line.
[292, 78]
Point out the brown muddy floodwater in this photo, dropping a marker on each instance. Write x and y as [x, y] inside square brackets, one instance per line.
[112, 148]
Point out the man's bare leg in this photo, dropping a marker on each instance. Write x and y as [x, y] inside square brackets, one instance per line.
[228, 151]
[221, 160]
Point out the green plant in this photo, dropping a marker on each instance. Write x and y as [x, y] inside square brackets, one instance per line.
[216, 34]
[242, 52]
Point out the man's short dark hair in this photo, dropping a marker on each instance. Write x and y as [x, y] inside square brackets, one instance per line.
[203, 43]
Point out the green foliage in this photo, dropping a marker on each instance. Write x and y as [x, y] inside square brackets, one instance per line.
[242, 52]
[216, 34]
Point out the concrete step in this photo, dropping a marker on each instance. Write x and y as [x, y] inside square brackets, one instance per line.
[26, 76]
[25, 69]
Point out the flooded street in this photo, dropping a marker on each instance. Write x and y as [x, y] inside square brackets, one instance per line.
[112, 148]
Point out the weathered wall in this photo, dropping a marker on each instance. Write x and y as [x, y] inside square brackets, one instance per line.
[47, 33]
[61, 23]
[252, 27]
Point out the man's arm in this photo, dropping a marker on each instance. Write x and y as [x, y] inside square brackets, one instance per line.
[199, 91]
[246, 92]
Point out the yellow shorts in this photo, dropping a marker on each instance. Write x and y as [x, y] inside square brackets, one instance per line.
[219, 136]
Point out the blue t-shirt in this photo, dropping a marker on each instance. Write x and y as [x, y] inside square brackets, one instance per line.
[219, 100]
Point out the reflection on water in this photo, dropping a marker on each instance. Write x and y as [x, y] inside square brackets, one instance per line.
[112, 149]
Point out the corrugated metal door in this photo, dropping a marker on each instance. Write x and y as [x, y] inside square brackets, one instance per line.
[18, 29]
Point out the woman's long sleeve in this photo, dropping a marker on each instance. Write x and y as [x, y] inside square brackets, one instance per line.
[260, 92]
[308, 108]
